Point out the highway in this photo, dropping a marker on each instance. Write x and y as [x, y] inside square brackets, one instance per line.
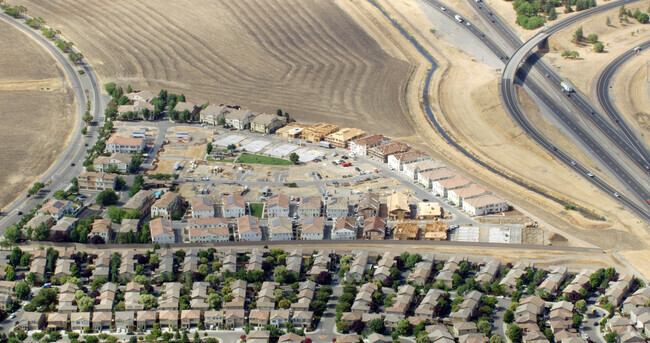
[59, 175]
[624, 139]
[512, 73]
[602, 92]
[511, 103]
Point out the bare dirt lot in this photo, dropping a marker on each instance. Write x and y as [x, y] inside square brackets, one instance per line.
[36, 111]
[306, 57]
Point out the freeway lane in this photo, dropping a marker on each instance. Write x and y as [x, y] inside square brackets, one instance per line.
[58, 176]
[510, 101]
[602, 92]
[627, 142]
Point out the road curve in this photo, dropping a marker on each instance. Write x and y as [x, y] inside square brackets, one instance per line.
[510, 100]
[602, 93]
[512, 72]
[60, 173]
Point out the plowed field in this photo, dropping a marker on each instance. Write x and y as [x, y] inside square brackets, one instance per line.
[307, 57]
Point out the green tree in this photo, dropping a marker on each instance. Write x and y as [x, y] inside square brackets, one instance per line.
[85, 304]
[643, 18]
[599, 47]
[13, 234]
[107, 197]
[41, 233]
[608, 22]
[496, 339]
[22, 290]
[404, 328]
[581, 306]
[592, 38]
[148, 301]
[119, 183]
[514, 333]
[578, 36]
[294, 158]
[15, 256]
[208, 148]
[611, 337]
[75, 57]
[215, 300]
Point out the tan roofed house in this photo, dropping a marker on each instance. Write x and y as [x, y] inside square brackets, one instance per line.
[166, 205]
[267, 123]
[429, 210]
[101, 228]
[207, 223]
[310, 207]
[124, 145]
[345, 228]
[239, 118]
[146, 319]
[427, 178]
[202, 207]
[234, 206]
[369, 205]
[280, 229]
[374, 229]
[102, 320]
[96, 181]
[213, 113]
[413, 170]
[135, 109]
[56, 208]
[141, 202]
[398, 206]
[360, 146]
[441, 187]
[278, 205]
[144, 95]
[121, 162]
[168, 318]
[340, 138]
[190, 318]
[382, 152]
[313, 228]
[485, 204]
[248, 229]
[40, 220]
[317, 132]
[291, 131]
[57, 321]
[397, 161]
[456, 196]
[219, 234]
[162, 231]
[190, 107]
[64, 225]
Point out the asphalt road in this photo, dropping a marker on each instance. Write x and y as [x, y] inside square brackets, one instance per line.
[512, 72]
[512, 105]
[602, 93]
[59, 175]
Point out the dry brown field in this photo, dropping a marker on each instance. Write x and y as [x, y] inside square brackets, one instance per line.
[36, 111]
[305, 56]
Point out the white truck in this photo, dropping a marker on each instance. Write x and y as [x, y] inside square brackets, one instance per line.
[458, 18]
[566, 87]
[177, 165]
[325, 144]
